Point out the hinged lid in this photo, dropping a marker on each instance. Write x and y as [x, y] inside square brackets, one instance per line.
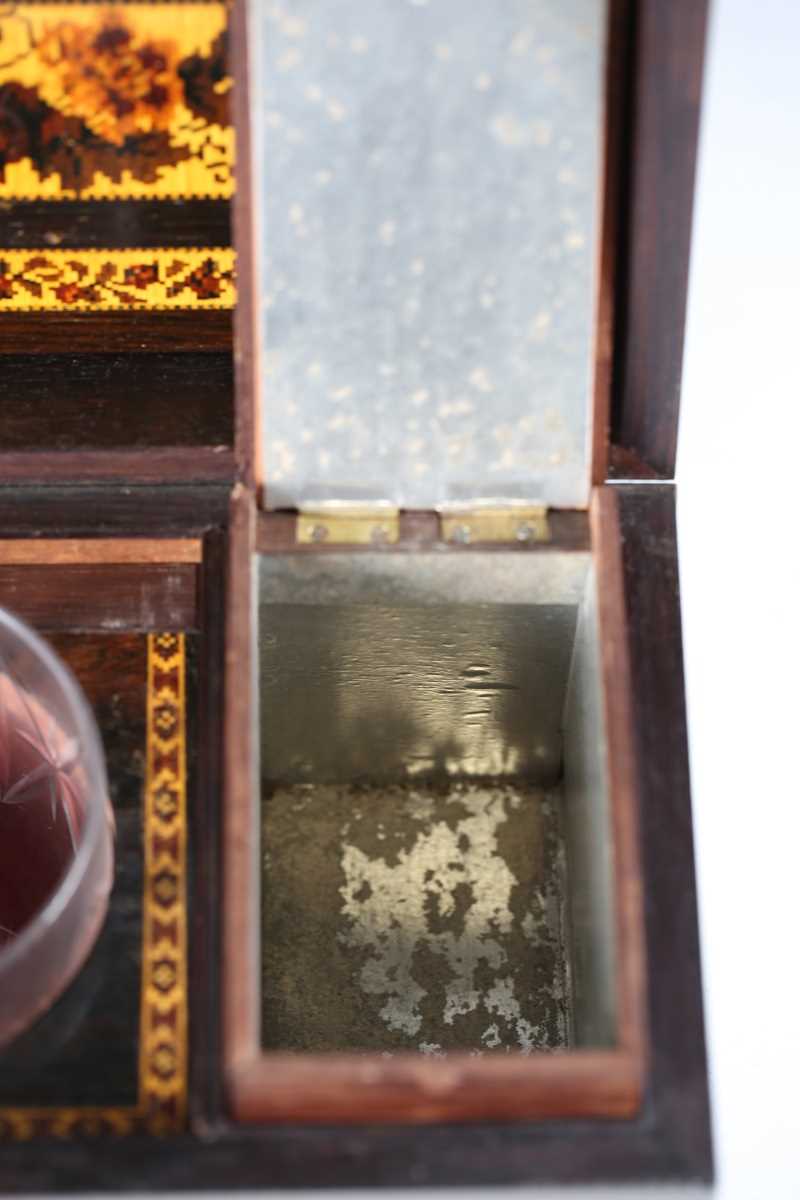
[427, 180]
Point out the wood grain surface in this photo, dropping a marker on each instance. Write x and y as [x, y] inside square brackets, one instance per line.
[94, 401]
[655, 225]
[115, 332]
[91, 596]
[51, 508]
[74, 551]
[79, 224]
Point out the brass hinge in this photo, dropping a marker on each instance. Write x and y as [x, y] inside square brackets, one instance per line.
[512, 523]
[349, 526]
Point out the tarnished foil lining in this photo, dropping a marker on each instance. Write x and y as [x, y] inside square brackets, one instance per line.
[411, 918]
[435, 826]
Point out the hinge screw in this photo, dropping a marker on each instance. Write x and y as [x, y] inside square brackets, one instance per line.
[525, 532]
[461, 534]
[319, 533]
[379, 536]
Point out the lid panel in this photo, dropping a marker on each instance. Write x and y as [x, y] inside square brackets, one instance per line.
[427, 176]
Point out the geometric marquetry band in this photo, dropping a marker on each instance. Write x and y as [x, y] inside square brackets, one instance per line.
[164, 1005]
[101, 280]
[163, 1032]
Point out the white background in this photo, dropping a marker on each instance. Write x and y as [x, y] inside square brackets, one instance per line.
[738, 469]
[739, 463]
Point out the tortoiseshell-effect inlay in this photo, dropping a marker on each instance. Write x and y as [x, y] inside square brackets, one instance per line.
[114, 101]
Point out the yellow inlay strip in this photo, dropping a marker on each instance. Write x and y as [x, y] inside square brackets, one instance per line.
[94, 280]
[163, 1045]
[80, 551]
[163, 1033]
[115, 101]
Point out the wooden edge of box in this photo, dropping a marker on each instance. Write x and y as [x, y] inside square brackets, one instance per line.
[246, 323]
[109, 551]
[240, 922]
[349, 1088]
[617, 55]
[664, 78]
[622, 774]
[158, 465]
[411, 1089]
[94, 584]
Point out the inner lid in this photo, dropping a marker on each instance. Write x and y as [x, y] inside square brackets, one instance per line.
[427, 179]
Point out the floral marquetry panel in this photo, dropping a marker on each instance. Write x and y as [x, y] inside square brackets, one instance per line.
[114, 101]
[110, 279]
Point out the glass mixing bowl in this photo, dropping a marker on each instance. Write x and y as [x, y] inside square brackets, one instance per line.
[56, 827]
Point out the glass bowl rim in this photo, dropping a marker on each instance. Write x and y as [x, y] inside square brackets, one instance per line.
[97, 814]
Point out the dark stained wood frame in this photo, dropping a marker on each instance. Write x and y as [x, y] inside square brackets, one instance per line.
[80, 584]
[113, 509]
[212, 465]
[246, 317]
[659, 132]
[612, 158]
[196, 464]
[117, 331]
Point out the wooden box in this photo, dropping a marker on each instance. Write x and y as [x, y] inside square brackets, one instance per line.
[405, 884]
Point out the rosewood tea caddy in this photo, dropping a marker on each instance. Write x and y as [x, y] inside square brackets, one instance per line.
[370, 579]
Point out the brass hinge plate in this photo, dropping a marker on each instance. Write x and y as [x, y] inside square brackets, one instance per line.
[349, 526]
[517, 523]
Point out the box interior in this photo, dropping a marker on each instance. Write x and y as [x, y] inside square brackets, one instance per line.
[435, 849]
